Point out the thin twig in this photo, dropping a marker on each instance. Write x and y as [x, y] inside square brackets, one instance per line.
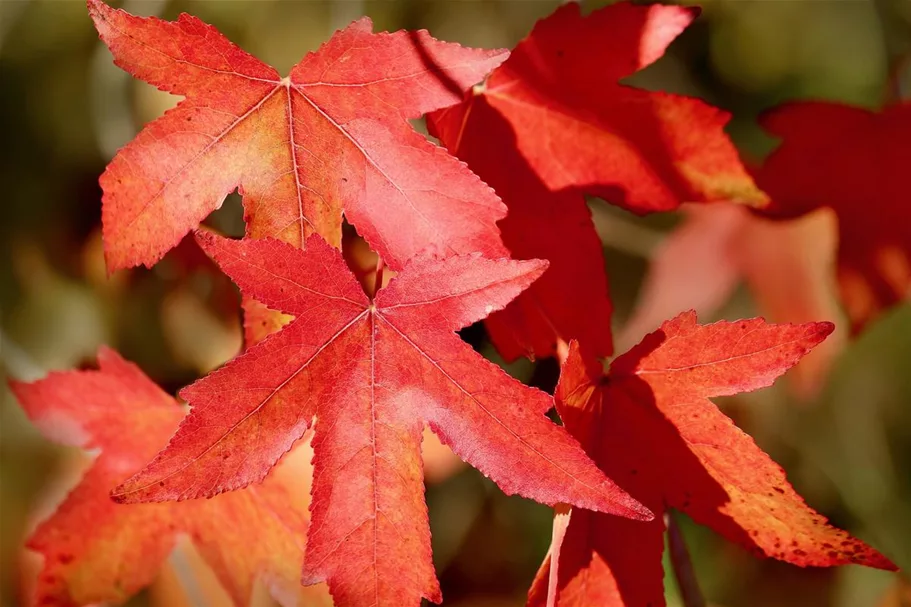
[690, 593]
[562, 513]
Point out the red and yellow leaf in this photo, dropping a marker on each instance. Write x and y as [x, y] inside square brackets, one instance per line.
[332, 137]
[853, 161]
[553, 122]
[372, 373]
[96, 550]
[650, 424]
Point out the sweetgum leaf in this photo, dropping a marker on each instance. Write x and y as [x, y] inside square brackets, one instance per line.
[786, 264]
[650, 423]
[332, 137]
[372, 373]
[855, 162]
[552, 123]
[96, 550]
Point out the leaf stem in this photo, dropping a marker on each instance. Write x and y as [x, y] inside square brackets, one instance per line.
[562, 513]
[378, 277]
[562, 351]
[690, 593]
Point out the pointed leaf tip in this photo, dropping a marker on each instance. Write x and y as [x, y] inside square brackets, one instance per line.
[97, 552]
[653, 428]
[369, 373]
[543, 132]
[278, 140]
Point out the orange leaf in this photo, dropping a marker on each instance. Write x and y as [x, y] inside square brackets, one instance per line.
[96, 550]
[371, 372]
[333, 136]
[650, 424]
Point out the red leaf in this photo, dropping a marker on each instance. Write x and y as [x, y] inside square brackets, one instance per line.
[553, 122]
[331, 137]
[96, 550]
[786, 264]
[649, 422]
[371, 372]
[855, 162]
[556, 226]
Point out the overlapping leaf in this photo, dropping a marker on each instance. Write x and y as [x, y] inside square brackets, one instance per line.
[787, 266]
[331, 137]
[98, 551]
[553, 122]
[556, 226]
[371, 372]
[649, 422]
[855, 162]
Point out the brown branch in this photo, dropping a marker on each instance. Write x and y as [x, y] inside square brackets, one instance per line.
[690, 593]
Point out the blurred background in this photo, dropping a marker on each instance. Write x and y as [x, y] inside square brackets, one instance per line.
[840, 425]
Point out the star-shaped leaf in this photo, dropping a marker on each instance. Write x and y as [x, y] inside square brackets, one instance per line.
[650, 423]
[372, 373]
[96, 550]
[333, 136]
[554, 122]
